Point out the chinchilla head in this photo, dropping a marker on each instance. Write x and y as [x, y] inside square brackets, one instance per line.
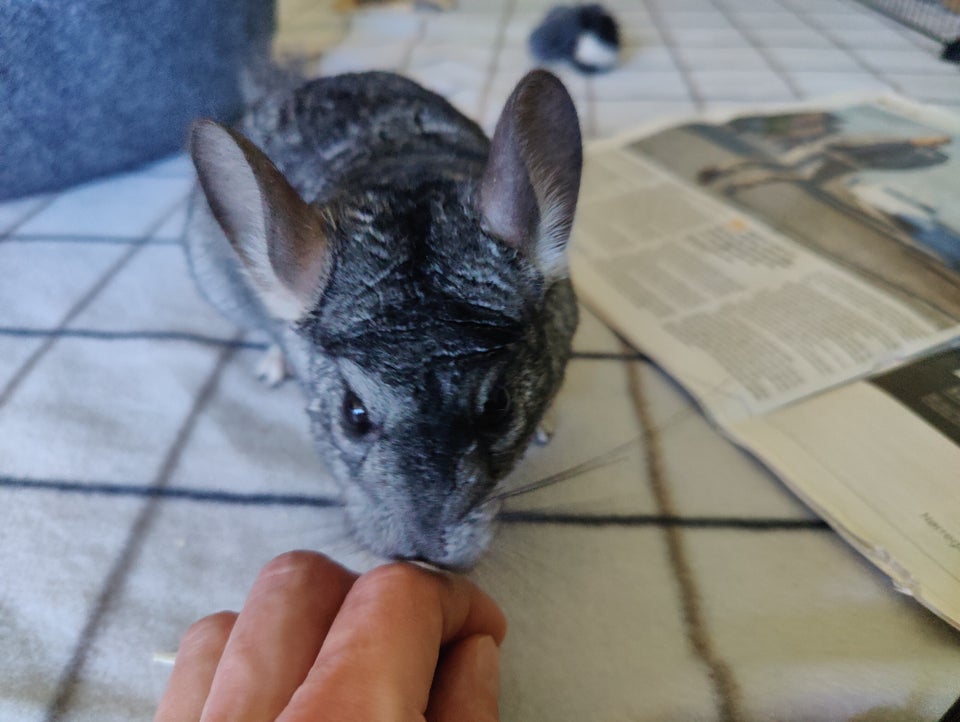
[438, 315]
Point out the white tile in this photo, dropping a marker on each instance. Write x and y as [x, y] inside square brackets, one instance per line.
[461, 26]
[634, 16]
[58, 550]
[122, 205]
[479, 7]
[814, 7]
[519, 28]
[613, 116]
[739, 85]
[925, 44]
[763, 589]
[177, 165]
[653, 85]
[927, 87]
[518, 59]
[814, 59]
[592, 416]
[172, 228]
[737, 105]
[448, 78]
[857, 38]
[814, 84]
[253, 439]
[663, 6]
[744, 58]
[225, 546]
[13, 213]
[647, 35]
[154, 292]
[760, 21]
[612, 596]
[14, 352]
[320, 16]
[88, 413]
[467, 101]
[720, 479]
[905, 61]
[859, 21]
[645, 58]
[711, 20]
[354, 58]
[393, 24]
[704, 37]
[42, 280]
[541, 7]
[296, 10]
[593, 335]
[306, 41]
[791, 38]
[742, 6]
[427, 57]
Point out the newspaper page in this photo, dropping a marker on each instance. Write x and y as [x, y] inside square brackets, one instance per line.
[880, 460]
[799, 273]
[766, 258]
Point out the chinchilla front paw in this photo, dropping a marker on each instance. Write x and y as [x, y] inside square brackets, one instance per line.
[544, 432]
[272, 367]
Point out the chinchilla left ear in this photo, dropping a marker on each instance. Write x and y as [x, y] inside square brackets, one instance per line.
[528, 195]
[281, 241]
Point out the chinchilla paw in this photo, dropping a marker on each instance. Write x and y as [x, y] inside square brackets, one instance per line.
[544, 432]
[272, 368]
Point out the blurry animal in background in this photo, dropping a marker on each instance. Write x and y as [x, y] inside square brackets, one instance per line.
[587, 36]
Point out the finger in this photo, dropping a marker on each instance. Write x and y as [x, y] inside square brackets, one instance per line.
[277, 636]
[466, 687]
[197, 659]
[380, 655]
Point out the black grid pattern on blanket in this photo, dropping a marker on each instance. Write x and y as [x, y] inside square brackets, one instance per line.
[146, 476]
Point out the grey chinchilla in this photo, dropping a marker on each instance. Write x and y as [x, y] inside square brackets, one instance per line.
[414, 275]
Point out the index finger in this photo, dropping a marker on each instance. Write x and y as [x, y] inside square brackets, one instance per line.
[380, 655]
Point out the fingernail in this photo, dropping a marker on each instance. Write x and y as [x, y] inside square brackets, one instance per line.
[488, 663]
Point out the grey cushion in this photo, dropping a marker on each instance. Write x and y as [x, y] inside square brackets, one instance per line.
[96, 86]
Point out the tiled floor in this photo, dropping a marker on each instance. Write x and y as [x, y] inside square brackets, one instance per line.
[679, 56]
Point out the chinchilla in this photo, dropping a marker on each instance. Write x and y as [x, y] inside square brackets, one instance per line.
[414, 275]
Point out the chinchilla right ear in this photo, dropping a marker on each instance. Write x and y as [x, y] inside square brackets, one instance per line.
[528, 194]
[280, 240]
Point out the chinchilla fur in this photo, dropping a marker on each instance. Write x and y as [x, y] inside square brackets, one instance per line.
[414, 275]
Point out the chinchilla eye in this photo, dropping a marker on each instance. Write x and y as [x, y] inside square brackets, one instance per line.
[496, 410]
[355, 417]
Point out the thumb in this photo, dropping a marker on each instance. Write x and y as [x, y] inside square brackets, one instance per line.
[466, 686]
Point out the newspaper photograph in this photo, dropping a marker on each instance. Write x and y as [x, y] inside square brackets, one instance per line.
[710, 236]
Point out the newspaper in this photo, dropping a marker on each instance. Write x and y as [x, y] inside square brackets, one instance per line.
[798, 272]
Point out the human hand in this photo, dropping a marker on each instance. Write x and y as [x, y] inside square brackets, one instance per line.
[315, 641]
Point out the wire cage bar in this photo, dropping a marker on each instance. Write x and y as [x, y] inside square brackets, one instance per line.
[937, 19]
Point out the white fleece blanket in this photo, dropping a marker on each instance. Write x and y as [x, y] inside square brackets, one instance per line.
[146, 476]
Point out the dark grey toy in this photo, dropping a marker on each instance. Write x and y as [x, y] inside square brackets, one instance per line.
[587, 36]
[421, 298]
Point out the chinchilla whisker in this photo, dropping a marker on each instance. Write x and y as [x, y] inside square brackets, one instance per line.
[605, 459]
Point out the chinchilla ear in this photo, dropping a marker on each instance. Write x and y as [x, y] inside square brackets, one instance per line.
[281, 241]
[528, 194]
